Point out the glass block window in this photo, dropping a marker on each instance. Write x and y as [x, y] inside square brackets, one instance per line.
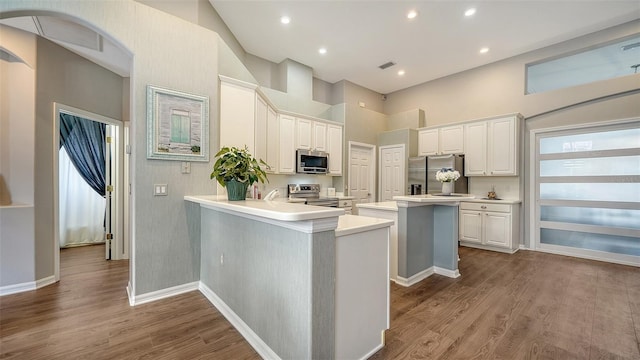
[588, 192]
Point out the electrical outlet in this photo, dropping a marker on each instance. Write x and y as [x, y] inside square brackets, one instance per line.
[186, 167]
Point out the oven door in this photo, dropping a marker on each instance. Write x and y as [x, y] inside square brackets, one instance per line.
[323, 202]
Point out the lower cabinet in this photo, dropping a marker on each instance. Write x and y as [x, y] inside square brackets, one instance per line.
[347, 205]
[489, 226]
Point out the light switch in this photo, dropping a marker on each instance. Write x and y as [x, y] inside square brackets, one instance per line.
[186, 167]
[160, 189]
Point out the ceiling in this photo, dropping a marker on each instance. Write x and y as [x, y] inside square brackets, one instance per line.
[360, 35]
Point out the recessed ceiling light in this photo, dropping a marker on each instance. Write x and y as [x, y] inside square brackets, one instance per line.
[412, 14]
[470, 12]
[401, 72]
[484, 50]
[285, 19]
[322, 50]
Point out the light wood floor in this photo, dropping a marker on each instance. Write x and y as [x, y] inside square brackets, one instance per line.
[524, 306]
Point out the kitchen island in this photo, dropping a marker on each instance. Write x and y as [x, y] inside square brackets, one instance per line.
[427, 235]
[297, 281]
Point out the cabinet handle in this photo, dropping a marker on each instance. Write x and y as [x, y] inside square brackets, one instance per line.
[483, 207]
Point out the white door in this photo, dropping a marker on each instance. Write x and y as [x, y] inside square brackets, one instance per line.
[392, 172]
[361, 172]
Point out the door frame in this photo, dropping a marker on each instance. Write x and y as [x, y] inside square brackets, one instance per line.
[119, 184]
[372, 172]
[404, 167]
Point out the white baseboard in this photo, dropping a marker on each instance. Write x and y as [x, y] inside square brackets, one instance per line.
[132, 300]
[446, 272]
[415, 278]
[27, 286]
[375, 350]
[162, 294]
[252, 338]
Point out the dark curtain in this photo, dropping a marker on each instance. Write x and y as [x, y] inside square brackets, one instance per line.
[84, 141]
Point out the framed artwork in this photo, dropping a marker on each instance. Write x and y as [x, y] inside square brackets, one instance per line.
[177, 125]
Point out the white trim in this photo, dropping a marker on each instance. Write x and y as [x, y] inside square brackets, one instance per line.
[45, 281]
[130, 295]
[17, 288]
[506, 250]
[523, 247]
[415, 278]
[236, 82]
[591, 255]
[163, 293]
[374, 350]
[27, 286]
[252, 338]
[446, 272]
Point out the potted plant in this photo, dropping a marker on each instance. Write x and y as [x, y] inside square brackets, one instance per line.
[236, 169]
[447, 176]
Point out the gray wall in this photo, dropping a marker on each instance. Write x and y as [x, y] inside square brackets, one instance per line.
[66, 78]
[287, 292]
[499, 88]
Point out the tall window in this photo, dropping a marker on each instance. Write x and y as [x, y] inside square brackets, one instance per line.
[588, 192]
[180, 126]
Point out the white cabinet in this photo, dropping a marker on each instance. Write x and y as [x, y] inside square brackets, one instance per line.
[347, 205]
[304, 129]
[334, 148]
[451, 140]
[287, 152]
[262, 110]
[440, 141]
[491, 147]
[273, 140]
[489, 226]
[428, 142]
[475, 144]
[237, 116]
[319, 136]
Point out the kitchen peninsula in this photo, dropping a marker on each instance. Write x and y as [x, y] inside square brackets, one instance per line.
[297, 281]
[427, 235]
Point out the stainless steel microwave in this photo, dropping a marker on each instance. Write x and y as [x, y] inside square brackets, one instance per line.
[312, 162]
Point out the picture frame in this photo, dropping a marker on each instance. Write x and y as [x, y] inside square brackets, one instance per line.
[177, 125]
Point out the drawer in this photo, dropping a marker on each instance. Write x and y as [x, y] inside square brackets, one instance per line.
[485, 207]
[345, 203]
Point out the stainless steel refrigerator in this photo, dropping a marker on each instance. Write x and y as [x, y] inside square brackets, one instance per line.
[422, 174]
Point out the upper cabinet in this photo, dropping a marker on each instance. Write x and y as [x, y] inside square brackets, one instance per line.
[491, 147]
[334, 148]
[439, 141]
[237, 111]
[248, 119]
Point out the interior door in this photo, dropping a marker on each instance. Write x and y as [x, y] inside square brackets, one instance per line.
[361, 178]
[392, 172]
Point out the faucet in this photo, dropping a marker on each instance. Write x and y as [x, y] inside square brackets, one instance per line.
[272, 194]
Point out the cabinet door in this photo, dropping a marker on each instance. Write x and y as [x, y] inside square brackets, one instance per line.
[319, 136]
[287, 160]
[497, 229]
[428, 142]
[273, 140]
[334, 148]
[470, 226]
[452, 140]
[475, 146]
[237, 116]
[303, 134]
[261, 128]
[502, 147]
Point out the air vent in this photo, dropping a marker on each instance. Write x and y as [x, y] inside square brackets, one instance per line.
[387, 65]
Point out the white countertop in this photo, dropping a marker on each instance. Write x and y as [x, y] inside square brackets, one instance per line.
[434, 199]
[275, 210]
[385, 205]
[501, 201]
[353, 224]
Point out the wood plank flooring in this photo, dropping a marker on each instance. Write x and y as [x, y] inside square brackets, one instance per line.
[528, 305]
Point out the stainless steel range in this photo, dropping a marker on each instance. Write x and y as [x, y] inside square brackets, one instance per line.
[311, 194]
